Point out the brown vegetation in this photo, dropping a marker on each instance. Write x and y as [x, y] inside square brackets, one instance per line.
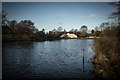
[107, 51]
[107, 47]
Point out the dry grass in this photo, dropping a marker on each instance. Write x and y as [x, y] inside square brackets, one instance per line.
[107, 49]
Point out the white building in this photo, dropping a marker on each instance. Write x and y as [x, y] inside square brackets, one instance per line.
[68, 35]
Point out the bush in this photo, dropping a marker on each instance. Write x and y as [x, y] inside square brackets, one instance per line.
[107, 46]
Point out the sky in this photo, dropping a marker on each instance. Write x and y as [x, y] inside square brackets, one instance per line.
[51, 15]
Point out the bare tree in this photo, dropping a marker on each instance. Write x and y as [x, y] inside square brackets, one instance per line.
[60, 29]
[116, 15]
[83, 29]
[4, 19]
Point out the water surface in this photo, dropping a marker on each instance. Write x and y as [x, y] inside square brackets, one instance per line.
[49, 59]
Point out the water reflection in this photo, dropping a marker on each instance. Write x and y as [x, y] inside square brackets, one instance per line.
[49, 59]
[16, 45]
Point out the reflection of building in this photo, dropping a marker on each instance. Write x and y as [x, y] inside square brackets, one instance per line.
[68, 35]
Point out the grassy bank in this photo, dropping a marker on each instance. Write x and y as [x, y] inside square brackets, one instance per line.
[107, 51]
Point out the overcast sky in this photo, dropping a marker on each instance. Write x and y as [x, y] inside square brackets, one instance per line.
[51, 15]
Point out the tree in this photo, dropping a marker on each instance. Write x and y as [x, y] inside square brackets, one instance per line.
[5, 28]
[64, 31]
[60, 29]
[72, 31]
[92, 31]
[75, 30]
[96, 28]
[83, 29]
[78, 33]
[35, 30]
[116, 15]
[43, 30]
[54, 31]
[13, 25]
[4, 19]
[26, 27]
[104, 25]
[40, 36]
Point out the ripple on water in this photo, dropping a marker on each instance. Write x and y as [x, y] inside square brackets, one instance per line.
[62, 59]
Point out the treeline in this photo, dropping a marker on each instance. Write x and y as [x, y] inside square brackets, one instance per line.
[107, 47]
[26, 31]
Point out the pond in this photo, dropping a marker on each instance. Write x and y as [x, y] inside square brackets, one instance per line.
[49, 59]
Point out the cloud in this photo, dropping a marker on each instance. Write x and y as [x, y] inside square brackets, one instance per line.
[92, 16]
[60, 23]
[80, 17]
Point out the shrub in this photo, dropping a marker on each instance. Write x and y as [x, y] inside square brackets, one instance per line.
[108, 46]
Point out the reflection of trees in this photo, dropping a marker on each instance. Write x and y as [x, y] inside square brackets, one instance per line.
[26, 44]
[18, 45]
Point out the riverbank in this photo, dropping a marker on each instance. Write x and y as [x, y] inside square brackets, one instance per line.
[107, 57]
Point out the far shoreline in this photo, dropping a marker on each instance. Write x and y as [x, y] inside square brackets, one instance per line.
[46, 40]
